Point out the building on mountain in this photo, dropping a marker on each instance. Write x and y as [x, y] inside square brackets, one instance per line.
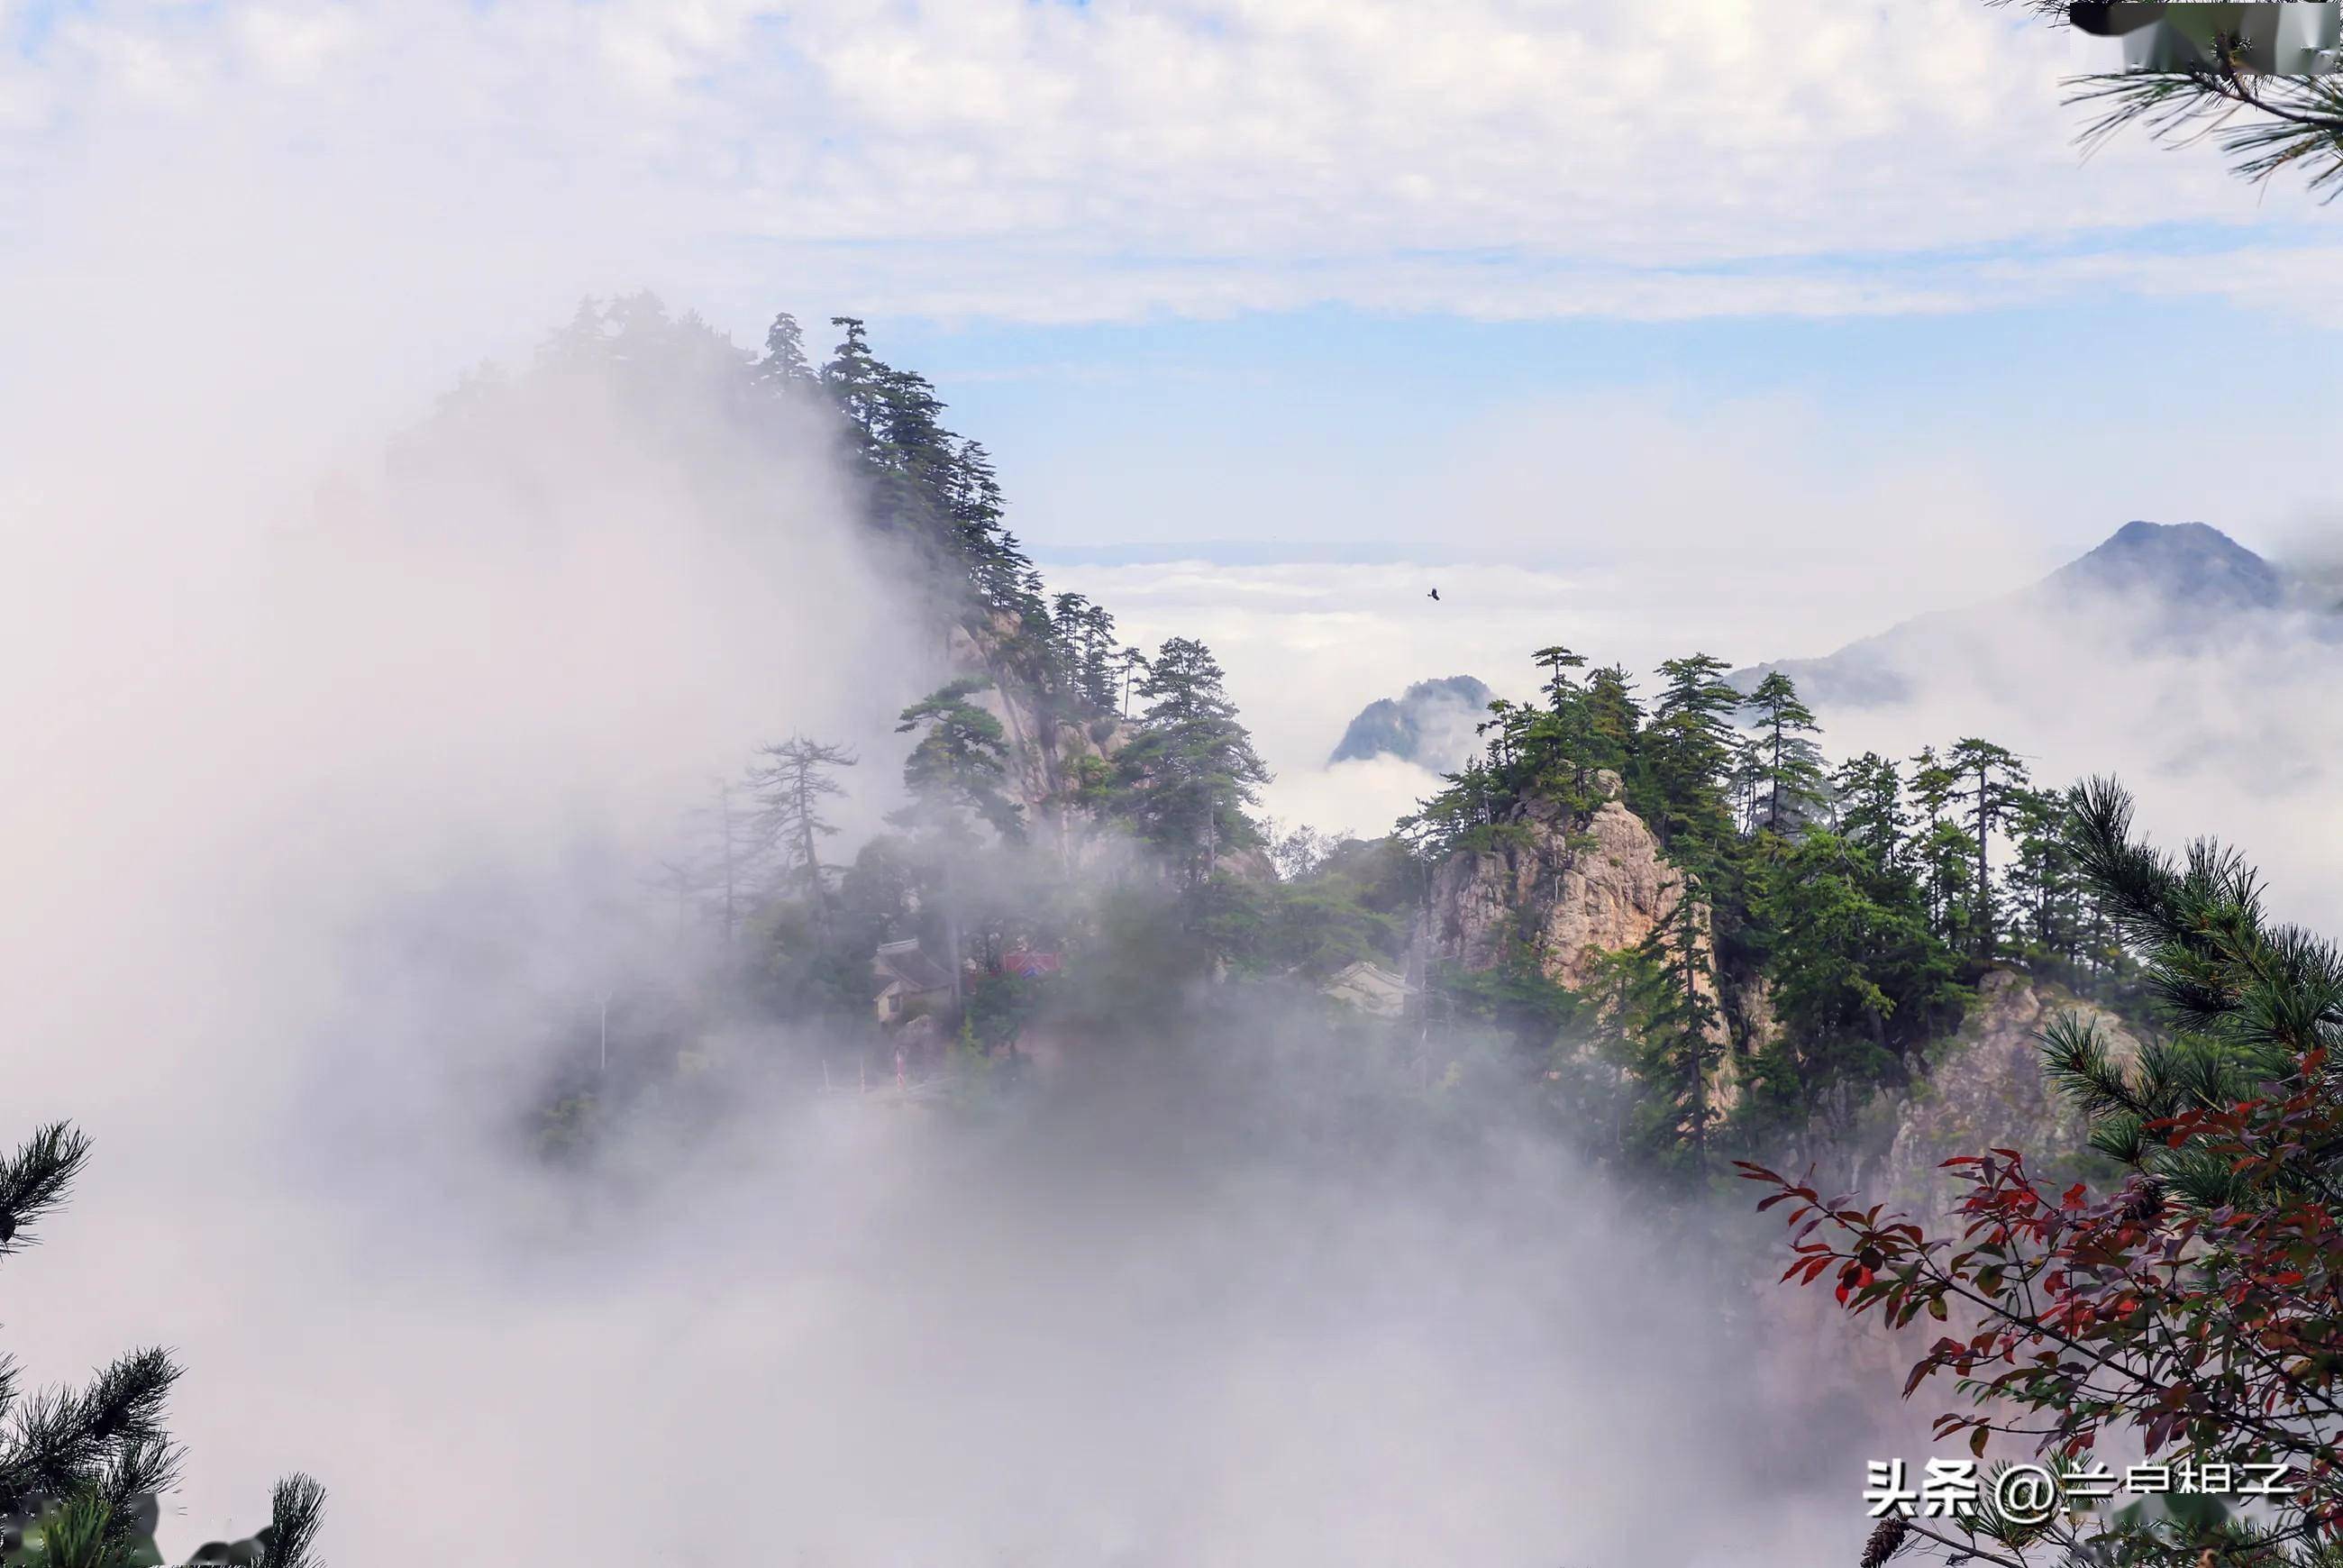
[1371, 989]
[905, 982]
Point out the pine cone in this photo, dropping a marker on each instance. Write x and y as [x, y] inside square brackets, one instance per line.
[1884, 1541]
[2146, 1204]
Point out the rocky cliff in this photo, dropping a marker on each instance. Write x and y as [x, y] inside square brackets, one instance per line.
[1571, 891]
[1046, 752]
[1987, 1088]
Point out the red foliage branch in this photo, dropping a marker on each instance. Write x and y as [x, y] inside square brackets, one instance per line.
[2218, 1332]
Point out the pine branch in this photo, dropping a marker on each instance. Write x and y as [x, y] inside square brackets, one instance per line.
[2075, 1054]
[2264, 127]
[78, 1533]
[125, 1402]
[296, 1510]
[34, 1180]
[143, 1470]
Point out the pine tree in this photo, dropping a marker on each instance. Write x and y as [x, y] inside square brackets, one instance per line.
[1868, 796]
[1131, 665]
[955, 773]
[1614, 719]
[1561, 737]
[1990, 783]
[1689, 748]
[789, 789]
[784, 365]
[852, 377]
[1559, 688]
[2048, 906]
[1857, 979]
[1190, 772]
[1790, 766]
[1676, 1040]
[1082, 644]
[1942, 852]
[723, 858]
[1097, 669]
[1744, 782]
[82, 1470]
[954, 777]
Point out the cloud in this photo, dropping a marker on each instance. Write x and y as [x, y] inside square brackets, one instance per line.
[1056, 162]
[2216, 738]
[322, 827]
[321, 818]
[1629, 528]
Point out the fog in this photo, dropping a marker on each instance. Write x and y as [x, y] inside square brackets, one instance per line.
[332, 785]
[336, 781]
[2216, 734]
[338, 776]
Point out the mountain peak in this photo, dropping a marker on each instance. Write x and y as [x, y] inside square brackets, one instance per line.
[2191, 564]
[1430, 725]
[2153, 585]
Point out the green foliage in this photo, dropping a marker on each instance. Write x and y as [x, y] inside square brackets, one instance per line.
[1513, 997]
[1847, 909]
[1858, 983]
[79, 1532]
[954, 775]
[1189, 774]
[1674, 1033]
[81, 1470]
[999, 1005]
[2197, 1312]
[2266, 124]
[2244, 1001]
[1787, 780]
[1687, 753]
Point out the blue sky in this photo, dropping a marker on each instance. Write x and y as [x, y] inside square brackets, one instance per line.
[1349, 274]
[1322, 422]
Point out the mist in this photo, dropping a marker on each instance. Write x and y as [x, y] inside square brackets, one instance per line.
[348, 736]
[2214, 733]
[331, 825]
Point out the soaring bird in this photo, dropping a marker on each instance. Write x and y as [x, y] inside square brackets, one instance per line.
[1435, 593]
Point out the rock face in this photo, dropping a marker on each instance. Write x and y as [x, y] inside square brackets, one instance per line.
[1043, 753]
[1989, 1089]
[1569, 892]
[1052, 761]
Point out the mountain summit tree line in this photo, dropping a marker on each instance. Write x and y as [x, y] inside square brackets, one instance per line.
[1861, 899]
[1854, 902]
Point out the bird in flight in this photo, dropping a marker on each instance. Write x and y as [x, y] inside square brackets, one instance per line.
[1435, 593]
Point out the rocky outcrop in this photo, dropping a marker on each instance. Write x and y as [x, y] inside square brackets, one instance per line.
[1050, 757]
[1987, 1088]
[1045, 752]
[1571, 889]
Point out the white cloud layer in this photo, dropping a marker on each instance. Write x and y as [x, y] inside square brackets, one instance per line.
[2219, 740]
[1053, 161]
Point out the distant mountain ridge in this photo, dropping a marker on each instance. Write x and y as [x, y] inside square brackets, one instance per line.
[1430, 725]
[2164, 586]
